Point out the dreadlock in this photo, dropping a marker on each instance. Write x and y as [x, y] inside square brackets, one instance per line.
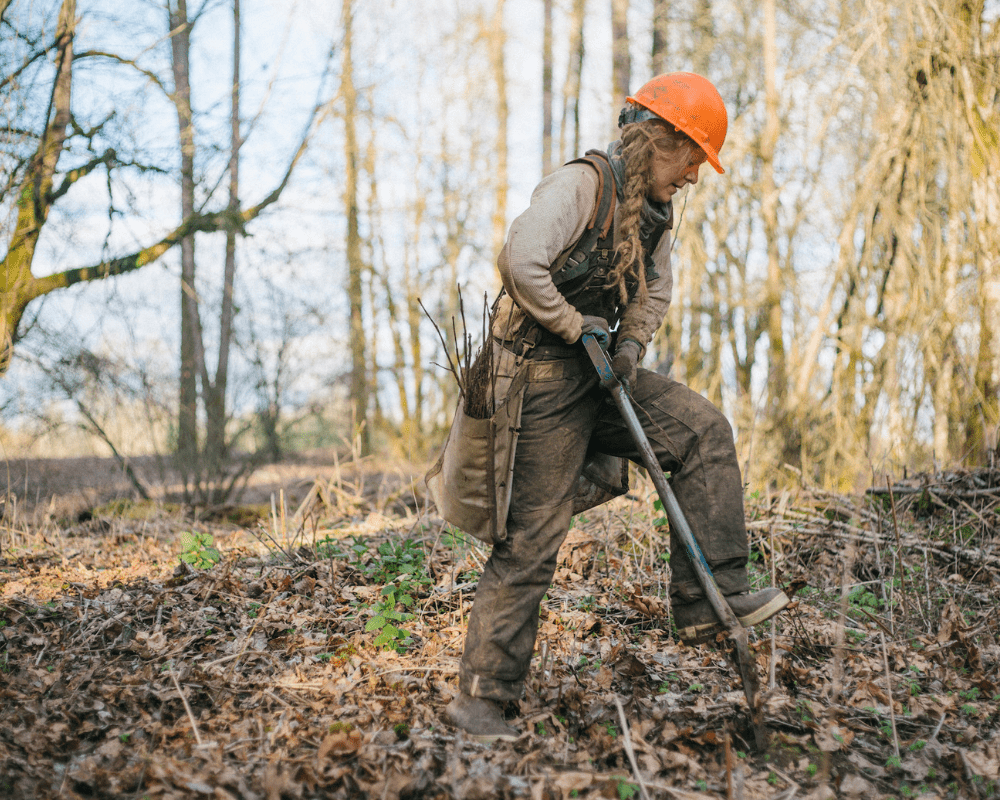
[641, 143]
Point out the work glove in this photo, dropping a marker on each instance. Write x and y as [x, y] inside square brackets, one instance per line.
[598, 328]
[624, 363]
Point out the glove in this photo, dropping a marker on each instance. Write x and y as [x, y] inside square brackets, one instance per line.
[598, 328]
[624, 363]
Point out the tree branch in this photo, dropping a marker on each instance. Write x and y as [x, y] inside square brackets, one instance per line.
[83, 170]
[201, 223]
[153, 78]
[34, 57]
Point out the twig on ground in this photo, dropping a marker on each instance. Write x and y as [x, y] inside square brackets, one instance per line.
[194, 725]
[888, 688]
[730, 789]
[899, 545]
[793, 787]
[627, 744]
[838, 648]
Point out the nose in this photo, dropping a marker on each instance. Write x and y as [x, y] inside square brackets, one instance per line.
[692, 175]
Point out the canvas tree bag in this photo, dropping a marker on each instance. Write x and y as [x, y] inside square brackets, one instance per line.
[470, 482]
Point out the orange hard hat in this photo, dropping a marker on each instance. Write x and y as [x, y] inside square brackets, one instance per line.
[691, 104]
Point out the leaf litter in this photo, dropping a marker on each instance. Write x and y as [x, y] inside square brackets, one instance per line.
[312, 654]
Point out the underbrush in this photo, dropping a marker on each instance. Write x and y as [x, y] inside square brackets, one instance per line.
[311, 653]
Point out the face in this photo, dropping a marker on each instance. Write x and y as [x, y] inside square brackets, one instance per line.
[670, 175]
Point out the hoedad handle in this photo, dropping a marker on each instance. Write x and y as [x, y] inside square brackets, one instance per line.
[679, 524]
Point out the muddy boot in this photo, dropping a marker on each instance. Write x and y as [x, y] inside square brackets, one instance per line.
[696, 622]
[481, 719]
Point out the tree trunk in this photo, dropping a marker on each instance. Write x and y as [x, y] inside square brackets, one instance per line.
[547, 88]
[769, 218]
[19, 285]
[497, 42]
[216, 415]
[571, 86]
[411, 267]
[661, 9]
[187, 415]
[704, 26]
[621, 59]
[980, 94]
[355, 264]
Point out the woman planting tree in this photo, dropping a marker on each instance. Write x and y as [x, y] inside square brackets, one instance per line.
[590, 255]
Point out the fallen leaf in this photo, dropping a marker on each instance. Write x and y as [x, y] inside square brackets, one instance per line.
[339, 743]
[855, 786]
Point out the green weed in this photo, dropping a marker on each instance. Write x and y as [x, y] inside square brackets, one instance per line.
[400, 565]
[386, 621]
[661, 520]
[198, 550]
[863, 597]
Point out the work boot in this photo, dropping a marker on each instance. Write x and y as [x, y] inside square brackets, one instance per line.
[696, 622]
[480, 718]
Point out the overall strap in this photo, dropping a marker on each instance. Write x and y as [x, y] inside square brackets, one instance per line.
[599, 225]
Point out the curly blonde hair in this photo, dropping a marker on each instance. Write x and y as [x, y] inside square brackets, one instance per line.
[641, 143]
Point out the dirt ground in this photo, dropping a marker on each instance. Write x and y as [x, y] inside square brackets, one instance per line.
[306, 649]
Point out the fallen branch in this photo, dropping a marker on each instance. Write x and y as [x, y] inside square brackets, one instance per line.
[627, 744]
[194, 725]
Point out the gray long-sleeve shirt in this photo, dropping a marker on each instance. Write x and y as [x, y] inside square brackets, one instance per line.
[561, 206]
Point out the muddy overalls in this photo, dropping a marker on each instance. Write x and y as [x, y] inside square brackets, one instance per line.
[566, 416]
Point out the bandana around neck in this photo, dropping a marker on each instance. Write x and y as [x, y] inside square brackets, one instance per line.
[653, 213]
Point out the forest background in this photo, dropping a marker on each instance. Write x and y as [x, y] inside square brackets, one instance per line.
[220, 219]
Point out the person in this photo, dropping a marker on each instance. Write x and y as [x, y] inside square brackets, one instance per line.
[668, 129]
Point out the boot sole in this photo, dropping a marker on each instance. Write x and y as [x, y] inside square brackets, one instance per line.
[699, 634]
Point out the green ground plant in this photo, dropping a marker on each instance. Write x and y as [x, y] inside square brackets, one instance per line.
[198, 550]
[387, 622]
[401, 567]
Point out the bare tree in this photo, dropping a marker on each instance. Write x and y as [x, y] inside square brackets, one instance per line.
[179, 29]
[497, 39]
[621, 57]
[215, 391]
[547, 164]
[569, 131]
[40, 178]
[775, 284]
[661, 26]
[355, 263]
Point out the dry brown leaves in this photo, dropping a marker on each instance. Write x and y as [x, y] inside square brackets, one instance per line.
[126, 675]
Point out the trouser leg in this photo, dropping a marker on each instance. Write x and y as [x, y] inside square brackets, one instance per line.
[692, 441]
[556, 421]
